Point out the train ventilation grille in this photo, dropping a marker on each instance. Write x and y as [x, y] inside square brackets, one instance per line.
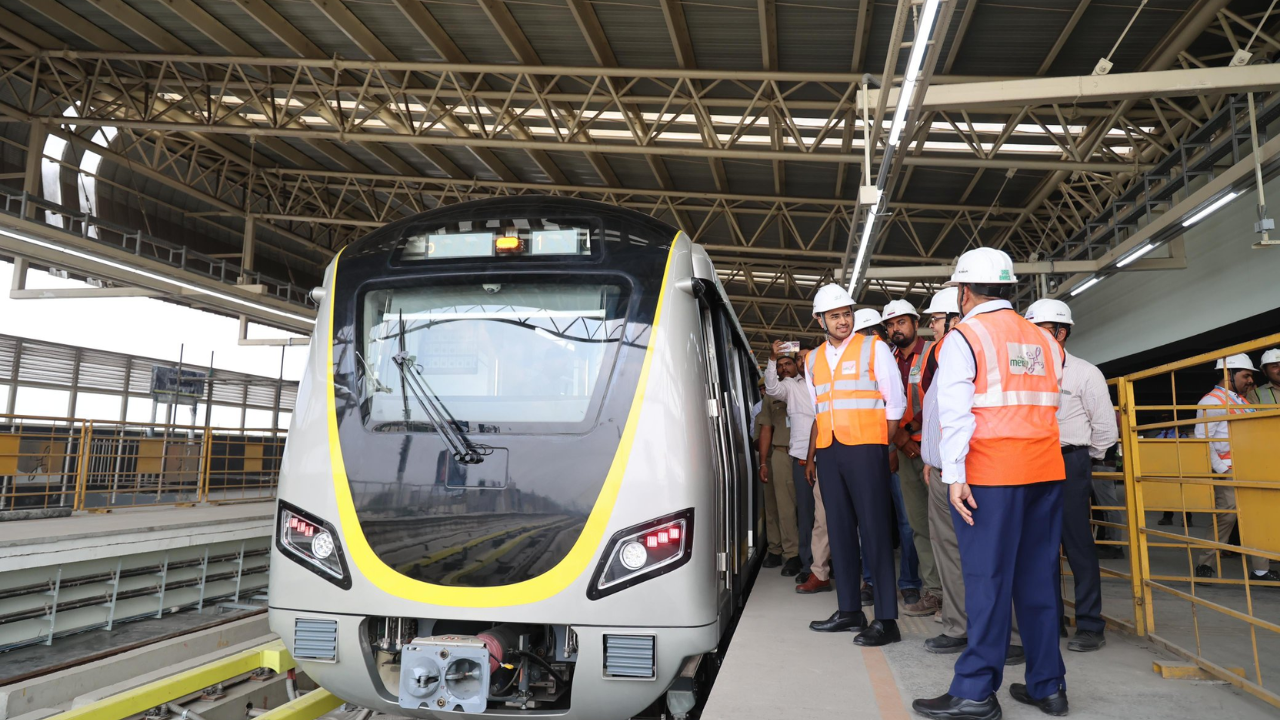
[629, 656]
[315, 639]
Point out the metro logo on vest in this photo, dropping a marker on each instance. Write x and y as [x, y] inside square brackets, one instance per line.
[1026, 359]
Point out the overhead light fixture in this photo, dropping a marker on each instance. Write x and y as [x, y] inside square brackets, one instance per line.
[154, 276]
[1135, 255]
[918, 46]
[1085, 285]
[863, 244]
[1210, 209]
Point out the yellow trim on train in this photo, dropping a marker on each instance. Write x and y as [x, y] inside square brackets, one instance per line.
[533, 590]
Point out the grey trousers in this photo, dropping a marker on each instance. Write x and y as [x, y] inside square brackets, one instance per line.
[916, 498]
[1224, 498]
[946, 554]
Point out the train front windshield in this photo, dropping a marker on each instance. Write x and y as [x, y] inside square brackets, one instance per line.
[526, 356]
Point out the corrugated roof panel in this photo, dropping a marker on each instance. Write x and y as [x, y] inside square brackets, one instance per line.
[26, 12]
[553, 33]
[1008, 40]
[577, 168]
[394, 30]
[816, 39]
[163, 16]
[724, 37]
[749, 177]
[637, 32]
[814, 179]
[471, 30]
[1100, 27]
[115, 28]
[318, 28]
[520, 163]
[250, 30]
[633, 171]
[692, 174]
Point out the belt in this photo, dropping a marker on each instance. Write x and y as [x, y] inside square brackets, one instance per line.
[1074, 448]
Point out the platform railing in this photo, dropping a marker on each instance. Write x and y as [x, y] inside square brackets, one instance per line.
[1227, 624]
[39, 463]
[49, 463]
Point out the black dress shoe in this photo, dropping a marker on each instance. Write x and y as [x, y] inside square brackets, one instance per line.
[1087, 641]
[879, 632]
[772, 560]
[1055, 704]
[791, 567]
[946, 645]
[1205, 571]
[910, 596]
[802, 578]
[868, 595]
[841, 622]
[949, 707]
[1015, 656]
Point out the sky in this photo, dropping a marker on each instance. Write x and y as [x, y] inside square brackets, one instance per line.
[140, 326]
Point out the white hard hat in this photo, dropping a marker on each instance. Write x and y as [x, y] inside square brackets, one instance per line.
[899, 307]
[1270, 356]
[865, 318]
[983, 265]
[830, 297]
[946, 301]
[1050, 311]
[1236, 362]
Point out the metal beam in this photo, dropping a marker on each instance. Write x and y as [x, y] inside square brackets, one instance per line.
[1096, 88]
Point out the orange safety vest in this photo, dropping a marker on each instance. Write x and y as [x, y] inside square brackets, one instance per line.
[1017, 389]
[850, 406]
[1220, 394]
[915, 394]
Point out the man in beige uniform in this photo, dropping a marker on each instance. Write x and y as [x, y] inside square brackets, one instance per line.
[779, 491]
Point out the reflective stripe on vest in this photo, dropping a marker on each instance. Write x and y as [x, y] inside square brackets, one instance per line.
[1017, 389]
[849, 405]
[915, 394]
[1220, 394]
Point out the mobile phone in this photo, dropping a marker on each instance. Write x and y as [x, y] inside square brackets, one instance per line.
[791, 346]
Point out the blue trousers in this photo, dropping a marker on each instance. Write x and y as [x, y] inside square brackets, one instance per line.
[859, 503]
[909, 562]
[1077, 540]
[805, 509]
[1010, 555]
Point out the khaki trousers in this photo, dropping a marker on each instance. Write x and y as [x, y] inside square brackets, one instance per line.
[946, 553]
[821, 567]
[1224, 498]
[780, 506]
[916, 498]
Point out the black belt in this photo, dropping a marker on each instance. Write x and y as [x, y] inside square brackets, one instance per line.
[1074, 448]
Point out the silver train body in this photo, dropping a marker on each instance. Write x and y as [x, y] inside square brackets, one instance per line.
[590, 360]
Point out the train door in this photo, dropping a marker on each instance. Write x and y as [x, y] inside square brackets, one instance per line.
[733, 394]
[722, 455]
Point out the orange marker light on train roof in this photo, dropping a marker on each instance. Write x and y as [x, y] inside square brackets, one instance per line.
[508, 244]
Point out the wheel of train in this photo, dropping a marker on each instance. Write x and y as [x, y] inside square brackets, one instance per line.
[518, 480]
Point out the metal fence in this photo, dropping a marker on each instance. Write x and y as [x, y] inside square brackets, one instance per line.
[1178, 516]
[50, 463]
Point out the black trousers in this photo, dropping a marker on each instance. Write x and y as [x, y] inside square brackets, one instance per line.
[1077, 539]
[859, 504]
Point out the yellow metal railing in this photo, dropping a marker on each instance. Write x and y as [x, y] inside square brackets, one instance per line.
[1228, 624]
[49, 463]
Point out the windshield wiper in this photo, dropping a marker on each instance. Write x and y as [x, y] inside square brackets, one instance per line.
[464, 450]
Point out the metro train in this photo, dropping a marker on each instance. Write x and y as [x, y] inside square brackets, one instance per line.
[518, 479]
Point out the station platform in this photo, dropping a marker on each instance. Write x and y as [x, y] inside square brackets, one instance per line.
[93, 536]
[777, 668]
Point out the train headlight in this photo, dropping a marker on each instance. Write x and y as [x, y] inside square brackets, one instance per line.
[643, 551]
[312, 542]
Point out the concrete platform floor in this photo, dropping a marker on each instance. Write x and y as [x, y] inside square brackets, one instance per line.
[86, 536]
[777, 668]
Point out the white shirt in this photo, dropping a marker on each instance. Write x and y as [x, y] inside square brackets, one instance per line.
[799, 408]
[1215, 430]
[888, 379]
[1086, 416]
